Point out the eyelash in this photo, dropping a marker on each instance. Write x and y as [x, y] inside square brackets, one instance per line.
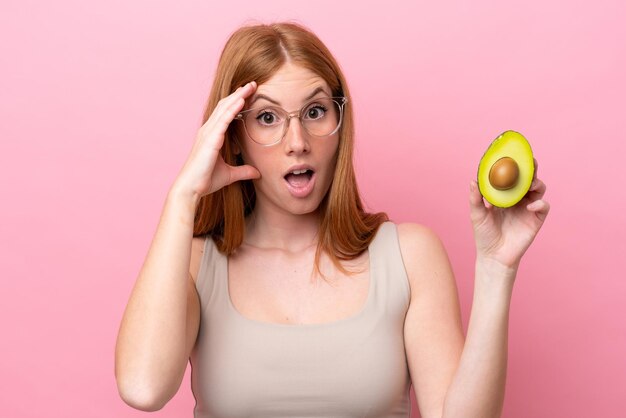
[319, 106]
[264, 112]
[268, 111]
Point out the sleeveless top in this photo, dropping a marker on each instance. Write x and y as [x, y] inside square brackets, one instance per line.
[352, 367]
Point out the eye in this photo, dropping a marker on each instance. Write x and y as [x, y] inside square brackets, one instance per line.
[267, 118]
[316, 111]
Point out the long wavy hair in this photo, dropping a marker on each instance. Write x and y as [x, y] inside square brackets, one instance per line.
[257, 52]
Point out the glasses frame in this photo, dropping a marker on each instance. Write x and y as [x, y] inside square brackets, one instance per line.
[341, 101]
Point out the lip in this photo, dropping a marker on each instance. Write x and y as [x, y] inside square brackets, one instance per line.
[301, 192]
[299, 167]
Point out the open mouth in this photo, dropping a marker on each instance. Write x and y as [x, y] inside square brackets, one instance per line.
[299, 178]
[300, 181]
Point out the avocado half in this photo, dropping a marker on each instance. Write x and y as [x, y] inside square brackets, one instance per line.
[506, 170]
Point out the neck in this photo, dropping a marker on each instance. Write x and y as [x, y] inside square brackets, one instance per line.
[286, 231]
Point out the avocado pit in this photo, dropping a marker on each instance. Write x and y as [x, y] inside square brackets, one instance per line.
[504, 174]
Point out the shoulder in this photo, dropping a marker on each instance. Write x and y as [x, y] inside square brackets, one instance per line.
[424, 256]
[415, 238]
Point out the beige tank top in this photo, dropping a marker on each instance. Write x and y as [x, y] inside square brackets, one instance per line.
[352, 367]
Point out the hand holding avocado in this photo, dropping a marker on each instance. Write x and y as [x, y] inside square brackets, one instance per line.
[506, 223]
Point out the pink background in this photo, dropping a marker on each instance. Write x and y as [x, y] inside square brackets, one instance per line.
[100, 102]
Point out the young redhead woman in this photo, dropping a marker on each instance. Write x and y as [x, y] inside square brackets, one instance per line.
[286, 296]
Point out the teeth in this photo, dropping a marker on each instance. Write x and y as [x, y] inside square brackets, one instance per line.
[299, 171]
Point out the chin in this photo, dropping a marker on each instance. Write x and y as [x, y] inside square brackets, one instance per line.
[304, 208]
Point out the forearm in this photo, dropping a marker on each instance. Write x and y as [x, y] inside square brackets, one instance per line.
[150, 351]
[477, 389]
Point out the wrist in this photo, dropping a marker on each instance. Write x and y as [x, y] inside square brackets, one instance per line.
[183, 195]
[496, 266]
[494, 277]
[182, 205]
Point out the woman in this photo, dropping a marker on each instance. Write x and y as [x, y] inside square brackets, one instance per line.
[286, 296]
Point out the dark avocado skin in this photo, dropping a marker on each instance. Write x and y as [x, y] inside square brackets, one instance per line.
[514, 145]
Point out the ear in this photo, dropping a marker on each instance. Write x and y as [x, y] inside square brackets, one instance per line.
[236, 148]
[235, 137]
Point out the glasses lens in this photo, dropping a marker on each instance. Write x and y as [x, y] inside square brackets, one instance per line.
[265, 125]
[321, 117]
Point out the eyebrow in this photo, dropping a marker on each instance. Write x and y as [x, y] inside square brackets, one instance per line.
[269, 99]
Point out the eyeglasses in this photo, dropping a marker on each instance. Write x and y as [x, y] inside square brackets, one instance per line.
[267, 125]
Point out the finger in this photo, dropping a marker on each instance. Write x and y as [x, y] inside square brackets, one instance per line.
[225, 106]
[235, 97]
[245, 90]
[540, 207]
[226, 116]
[477, 206]
[241, 91]
[536, 163]
[229, 108]
[242, 172]
[537, 188]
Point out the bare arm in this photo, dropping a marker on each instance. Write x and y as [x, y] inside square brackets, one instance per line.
[477, 389]
[453, 377]
[433, 331]
[160, 323]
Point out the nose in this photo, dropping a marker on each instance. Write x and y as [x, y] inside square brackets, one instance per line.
[296, 139]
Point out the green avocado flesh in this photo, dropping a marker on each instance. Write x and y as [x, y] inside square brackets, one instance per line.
[513, 145]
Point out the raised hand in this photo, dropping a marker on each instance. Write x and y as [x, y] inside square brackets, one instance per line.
[205, 171]
[504, 234]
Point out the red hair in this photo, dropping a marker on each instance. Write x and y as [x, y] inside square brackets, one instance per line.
[256, 53]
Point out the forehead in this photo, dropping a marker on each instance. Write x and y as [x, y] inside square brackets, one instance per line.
[291, 85]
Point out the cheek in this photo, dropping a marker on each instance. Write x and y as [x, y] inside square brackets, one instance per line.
[261, 159]
[332, 153]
